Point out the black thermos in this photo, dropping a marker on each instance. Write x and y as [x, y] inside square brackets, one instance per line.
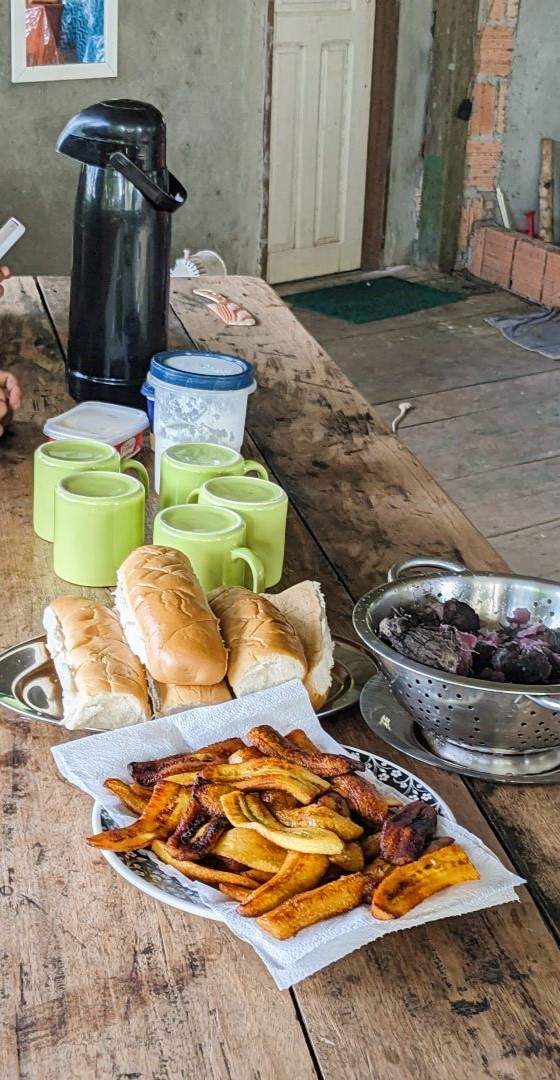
[122, 239]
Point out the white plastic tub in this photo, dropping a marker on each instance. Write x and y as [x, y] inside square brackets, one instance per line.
[199, 397]
[117, 425]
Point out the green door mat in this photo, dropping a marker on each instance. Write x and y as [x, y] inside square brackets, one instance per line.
[368, 301]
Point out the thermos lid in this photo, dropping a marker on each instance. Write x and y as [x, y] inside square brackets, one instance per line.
[134, 128]
[202, 370]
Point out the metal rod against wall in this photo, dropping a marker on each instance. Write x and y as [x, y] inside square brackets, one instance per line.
[546, 192]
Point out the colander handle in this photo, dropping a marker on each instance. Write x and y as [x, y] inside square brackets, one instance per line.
[546, 702]
[400, 568]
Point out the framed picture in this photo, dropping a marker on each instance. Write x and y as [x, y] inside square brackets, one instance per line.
[64, 39]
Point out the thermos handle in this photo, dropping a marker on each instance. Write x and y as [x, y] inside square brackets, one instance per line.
[162, 200]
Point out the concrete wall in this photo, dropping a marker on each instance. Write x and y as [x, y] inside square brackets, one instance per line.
[413, 77]
[202, 62]
[533, 107]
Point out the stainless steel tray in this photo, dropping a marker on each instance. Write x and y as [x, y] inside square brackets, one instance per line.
[30, 688]
[387, 719]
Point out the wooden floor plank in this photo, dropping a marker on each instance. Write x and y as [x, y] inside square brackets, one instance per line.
[537, 546]
[479, 443]
[536, 388]
[408, 363]
[506, 500]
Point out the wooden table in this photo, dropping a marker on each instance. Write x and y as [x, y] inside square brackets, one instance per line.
[99, 981]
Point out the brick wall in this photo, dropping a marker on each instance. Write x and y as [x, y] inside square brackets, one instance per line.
[528, 267]
[496, 38]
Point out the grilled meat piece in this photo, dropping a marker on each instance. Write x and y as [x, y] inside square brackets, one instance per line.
[437, 647]
[405, 834]
[462, 616]
[522, 663]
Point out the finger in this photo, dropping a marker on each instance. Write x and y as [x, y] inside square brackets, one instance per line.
[5, 271]
[11, 388]
[1, 290]
[4, 408]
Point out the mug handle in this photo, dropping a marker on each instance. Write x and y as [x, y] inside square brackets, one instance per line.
[254, 563]
[136, 466]
[255, 466]
[193, 496]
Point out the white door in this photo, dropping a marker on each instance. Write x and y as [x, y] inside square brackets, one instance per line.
[321, 84]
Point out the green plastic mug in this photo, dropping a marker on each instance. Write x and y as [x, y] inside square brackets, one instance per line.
[264, 509]
[184, 468]
[54, 460]
[214, 540]
[99, 518]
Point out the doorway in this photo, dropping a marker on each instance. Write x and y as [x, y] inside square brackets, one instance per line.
[321, 88]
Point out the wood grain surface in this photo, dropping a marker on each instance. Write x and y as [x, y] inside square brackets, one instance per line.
[97, 979]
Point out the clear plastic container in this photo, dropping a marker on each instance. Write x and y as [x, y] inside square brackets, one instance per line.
[117, 425]
[199, 397]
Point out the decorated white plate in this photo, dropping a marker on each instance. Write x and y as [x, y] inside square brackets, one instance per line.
[147, 873]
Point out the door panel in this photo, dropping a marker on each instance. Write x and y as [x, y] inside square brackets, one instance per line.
[319, 130]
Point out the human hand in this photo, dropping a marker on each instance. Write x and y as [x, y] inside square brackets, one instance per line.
[4, 274]
[10, 399]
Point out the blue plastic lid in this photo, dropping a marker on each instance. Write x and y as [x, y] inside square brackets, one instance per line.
[202, 370]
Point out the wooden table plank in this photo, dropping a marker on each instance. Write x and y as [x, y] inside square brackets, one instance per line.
[469, 991]
[97, 979]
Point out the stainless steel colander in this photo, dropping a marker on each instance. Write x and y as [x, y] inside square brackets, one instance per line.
[505, 717]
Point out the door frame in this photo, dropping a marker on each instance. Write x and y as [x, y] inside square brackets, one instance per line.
[384, 71]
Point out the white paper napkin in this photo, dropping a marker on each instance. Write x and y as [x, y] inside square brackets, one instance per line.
[89, 761]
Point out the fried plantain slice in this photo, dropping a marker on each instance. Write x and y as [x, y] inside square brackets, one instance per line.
[235, 892]
[159, 818]
[404, 835]
[187, 779]
[247, 753]
[407, 886]
[312, 907]
[363, 799]
[299, 874]
[197, 872]
[351, 859]
[229, 864]
[208, 795]
[371, 846]
[335, 802]
[321, 764]
[133, 800]
[148, 772]
[302, 741]
[195, 836]
[260, 875]
[264, 766]
[374, 874]
[322, 817]
[275, 799]
[251, 850]
[300, 790]
[248, 812]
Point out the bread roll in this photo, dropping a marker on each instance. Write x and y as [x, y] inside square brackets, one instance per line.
[167, 620]
[171, 697]
[264, 649]
[303, 605]
[103, 684]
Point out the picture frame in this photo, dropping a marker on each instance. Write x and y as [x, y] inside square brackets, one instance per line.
[23, 71]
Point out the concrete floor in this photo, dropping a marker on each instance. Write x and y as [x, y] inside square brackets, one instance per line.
[486, 413]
